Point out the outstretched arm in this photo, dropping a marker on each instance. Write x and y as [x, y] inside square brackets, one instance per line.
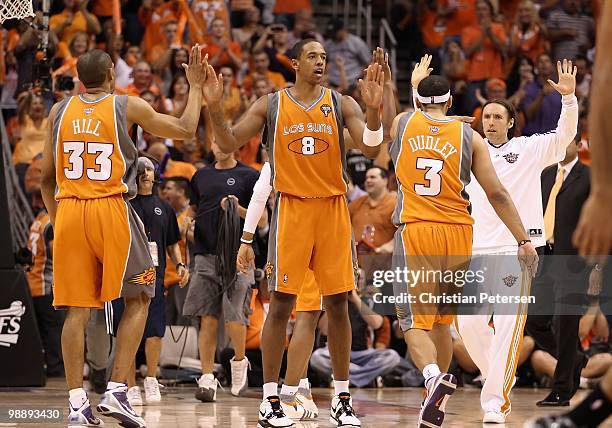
[166, 126]
[230, 138]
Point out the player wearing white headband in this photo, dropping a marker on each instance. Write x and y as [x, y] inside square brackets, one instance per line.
[433, 157]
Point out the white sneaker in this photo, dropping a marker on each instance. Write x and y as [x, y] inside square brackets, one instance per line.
[271, 414]
[240, 380]
[305, 397]
[114, 403]
[207, 388]
[152, 394]
[293, 408]
[494, 417]
[83, 417]
[134, 396]
[342, 413]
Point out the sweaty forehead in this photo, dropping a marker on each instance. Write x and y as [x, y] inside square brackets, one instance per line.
[313, 47]
[494, 108]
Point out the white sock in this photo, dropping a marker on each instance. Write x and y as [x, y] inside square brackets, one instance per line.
[304, 383]
[270, 389]
[289, 390]
[341, 386]
[429, 372]
[78, 396]
[115, 385]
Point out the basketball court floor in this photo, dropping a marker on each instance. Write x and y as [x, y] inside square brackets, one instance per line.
[378, 408]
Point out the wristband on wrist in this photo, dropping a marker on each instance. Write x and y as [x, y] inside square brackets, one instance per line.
[246, 241]
[523, 242]
[179, 264]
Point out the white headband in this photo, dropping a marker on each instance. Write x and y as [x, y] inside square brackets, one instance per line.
[433, 100]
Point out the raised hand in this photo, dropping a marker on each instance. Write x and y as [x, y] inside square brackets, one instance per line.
[381, 58]
[372, 87]
[421, 71]
[213, 86]
[567, 78]
[195, 70]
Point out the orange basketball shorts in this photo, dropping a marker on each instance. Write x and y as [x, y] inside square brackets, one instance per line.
[309, 298]
[428, 260]
[100, 253]
[315, 234]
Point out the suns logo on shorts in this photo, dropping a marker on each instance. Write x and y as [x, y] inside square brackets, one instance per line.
[269, 269]
[145, 278]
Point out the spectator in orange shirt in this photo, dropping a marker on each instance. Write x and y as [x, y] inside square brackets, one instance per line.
[152, 15]
[261, 68]
[485, 46]
[78, 46]
[457, 14]
[74, 18]
[143, 80]
[159, 55]
[528, 35]
[206, 11]
[221, 51]
[168, 167]
[233, 104]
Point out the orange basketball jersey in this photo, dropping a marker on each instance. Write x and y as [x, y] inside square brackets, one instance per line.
[40, 277]
[94, 155]
[305, 145]
[433, 160]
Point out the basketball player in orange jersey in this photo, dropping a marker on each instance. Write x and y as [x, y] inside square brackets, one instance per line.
[433, 157]
[310, 225]
[100, 250]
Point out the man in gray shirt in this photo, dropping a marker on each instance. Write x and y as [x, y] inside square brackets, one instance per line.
[351, 48]
[571, 32]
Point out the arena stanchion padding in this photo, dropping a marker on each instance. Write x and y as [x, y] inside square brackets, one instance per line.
[21, 351]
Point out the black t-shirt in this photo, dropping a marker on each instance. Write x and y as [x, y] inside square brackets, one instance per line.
[160, 225]
[359, 328]
[208, 186]
[357, 165]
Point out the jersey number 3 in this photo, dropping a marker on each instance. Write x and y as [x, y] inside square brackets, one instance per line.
[432, 175]
[103, 165]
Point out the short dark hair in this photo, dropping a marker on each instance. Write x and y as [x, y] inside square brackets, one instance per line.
[509, 108]
[297, 49]
[433, 86]
[182, 184]
[92, 67]
[383, 172]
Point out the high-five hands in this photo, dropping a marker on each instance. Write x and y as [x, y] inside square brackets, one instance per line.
[372, 87]
[195, 70]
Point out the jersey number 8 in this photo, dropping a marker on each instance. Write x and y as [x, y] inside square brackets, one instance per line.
[432, 175]
[75, 150]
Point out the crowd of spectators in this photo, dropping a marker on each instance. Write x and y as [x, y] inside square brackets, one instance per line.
[487, 49]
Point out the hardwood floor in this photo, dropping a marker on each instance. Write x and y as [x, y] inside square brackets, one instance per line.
[377, 408]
